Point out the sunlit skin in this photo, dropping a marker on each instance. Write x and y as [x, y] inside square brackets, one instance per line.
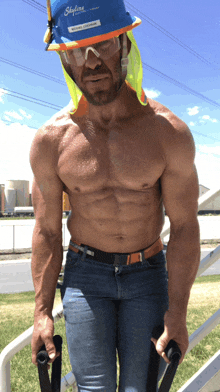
[119, 163]
[99, 82]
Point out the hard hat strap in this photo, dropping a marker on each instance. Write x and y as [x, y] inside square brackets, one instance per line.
[124, 60]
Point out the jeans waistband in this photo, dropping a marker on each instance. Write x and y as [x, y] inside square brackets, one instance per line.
[117, 258]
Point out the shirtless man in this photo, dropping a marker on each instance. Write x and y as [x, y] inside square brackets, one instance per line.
[120, 163]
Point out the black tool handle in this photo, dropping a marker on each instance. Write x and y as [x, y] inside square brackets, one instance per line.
[43, 359]
[56, 367]
[173, 353]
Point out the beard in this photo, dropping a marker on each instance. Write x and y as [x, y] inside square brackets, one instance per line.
[99, 95]
[103, 96]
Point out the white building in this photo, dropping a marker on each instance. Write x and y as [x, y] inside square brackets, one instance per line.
[213, 206]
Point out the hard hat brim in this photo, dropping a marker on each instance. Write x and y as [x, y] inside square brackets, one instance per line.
[66, 44]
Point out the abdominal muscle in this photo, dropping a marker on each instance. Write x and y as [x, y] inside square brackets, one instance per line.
[116, 220]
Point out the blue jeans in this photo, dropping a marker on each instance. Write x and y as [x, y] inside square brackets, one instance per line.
[111, 310]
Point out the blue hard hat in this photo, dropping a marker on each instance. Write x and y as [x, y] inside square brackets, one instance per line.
[74, 24]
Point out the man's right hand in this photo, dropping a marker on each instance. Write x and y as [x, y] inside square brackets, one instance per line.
[43, 334]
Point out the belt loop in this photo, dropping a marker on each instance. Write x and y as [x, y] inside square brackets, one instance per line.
[142, 256]
[84, 253]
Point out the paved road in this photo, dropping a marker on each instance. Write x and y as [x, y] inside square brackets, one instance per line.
[15, 276]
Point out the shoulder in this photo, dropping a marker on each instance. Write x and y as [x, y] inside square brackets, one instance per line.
[49, 137]
[175, 137]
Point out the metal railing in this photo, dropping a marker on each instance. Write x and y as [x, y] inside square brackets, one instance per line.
[207, 377]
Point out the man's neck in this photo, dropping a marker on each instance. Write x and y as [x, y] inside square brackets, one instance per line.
[117, 110]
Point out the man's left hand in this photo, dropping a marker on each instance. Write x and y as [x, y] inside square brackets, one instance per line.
[174, 328]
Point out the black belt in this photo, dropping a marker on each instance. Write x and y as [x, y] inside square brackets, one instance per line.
[117, 258]
[99, 255]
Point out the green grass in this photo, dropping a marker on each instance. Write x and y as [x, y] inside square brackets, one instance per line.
[15, 217]
[16, 315]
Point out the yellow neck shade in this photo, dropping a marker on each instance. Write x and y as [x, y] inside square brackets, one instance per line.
[134, 78]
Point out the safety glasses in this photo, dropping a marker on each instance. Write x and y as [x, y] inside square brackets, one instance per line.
[103, 50]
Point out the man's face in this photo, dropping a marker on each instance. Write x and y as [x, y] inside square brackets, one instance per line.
[99, 80]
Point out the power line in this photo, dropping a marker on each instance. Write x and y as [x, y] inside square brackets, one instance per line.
[152, 69]
[180, 85]
[36, 2]
[43, 75]
[36, 5]
[16, 122]
[199, 133]
[171, 36]
[209, 137]
[148, 67]
[32, 99]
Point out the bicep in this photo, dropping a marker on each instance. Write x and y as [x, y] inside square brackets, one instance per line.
[180, 195]
[179, 183]
[47, 203]
[47, 188]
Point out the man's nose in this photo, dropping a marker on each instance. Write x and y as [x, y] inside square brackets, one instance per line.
[92, 59]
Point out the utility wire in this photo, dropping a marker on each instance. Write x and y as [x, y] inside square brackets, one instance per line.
[169, 35]
[36, 2]
[36, 5]
[181, 85]
[43, 75]
[32, 99]
[209, 137]
[199, 133]
[148, 67]
[16, 122]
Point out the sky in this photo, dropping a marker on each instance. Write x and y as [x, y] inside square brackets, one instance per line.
[180, 48]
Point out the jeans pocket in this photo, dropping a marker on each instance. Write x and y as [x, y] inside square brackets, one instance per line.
[157, 260]
[72, 260]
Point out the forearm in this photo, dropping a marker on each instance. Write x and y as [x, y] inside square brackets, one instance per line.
[46, 265]
[183, 258]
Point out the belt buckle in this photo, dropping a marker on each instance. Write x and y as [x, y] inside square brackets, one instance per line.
[90, 252]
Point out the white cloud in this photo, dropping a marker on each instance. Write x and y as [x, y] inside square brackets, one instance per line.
[14, 114]
[193, 111]
[202, 120]
[2, 93]
[25, 114]
[152, 93]
[16, 141]
[208, 118]
[7, 118]
[209, 149]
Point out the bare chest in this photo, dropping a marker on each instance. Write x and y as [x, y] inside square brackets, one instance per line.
[89, 162]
